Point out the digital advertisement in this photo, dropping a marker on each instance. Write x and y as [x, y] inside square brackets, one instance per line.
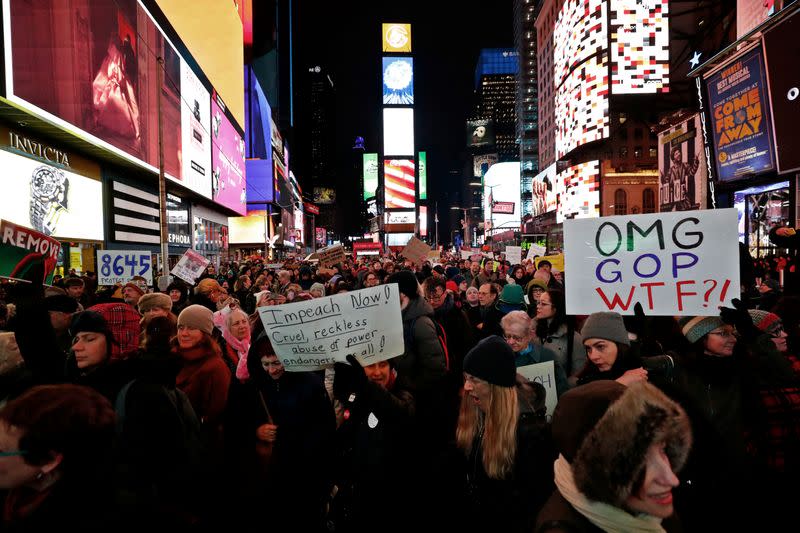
[639, 46]
[398, 80]
[682, 167]
[544, 191]
[227, 162]
[398, 177]
[398, 131]
[578, 189]
[324, 195]
[501, 185]
[740, 118]
[480, 132]
[581, 106]
[481, 164]
[52, 201]
[195, 133]
[422, 159]
[370, 175]
[396, 37]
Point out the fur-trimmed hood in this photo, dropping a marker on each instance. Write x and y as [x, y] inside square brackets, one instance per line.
[608, 456]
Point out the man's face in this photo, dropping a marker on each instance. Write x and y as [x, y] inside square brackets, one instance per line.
[475, 267]
[273, 366]
[435, 297]
[485, 296]
[75, 291]
[131, 295]
[175, 295]
[676, 156]
[379, 373]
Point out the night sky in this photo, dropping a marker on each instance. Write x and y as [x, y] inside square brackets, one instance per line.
[446, 37]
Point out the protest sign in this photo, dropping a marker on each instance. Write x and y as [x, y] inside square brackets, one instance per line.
[544, 373]
[332, 255]
[556, 260]
[679, 263]
[514, 254]
[465, 254]
[416, 251]
[26, 254]
[434, 256]
[190, 267]
[120, 266]
[312, 334]
[534, 250]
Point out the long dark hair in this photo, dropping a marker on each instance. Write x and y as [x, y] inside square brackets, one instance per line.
[546, 328]
[627, 358]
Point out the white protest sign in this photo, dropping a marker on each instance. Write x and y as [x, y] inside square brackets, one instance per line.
[681, 263]
[416, 251]
[465, 254]
[534, 250]
[120, 266]
[514, 254]
[331, 255]
[190, 267]
[312, 334]
[544, 373]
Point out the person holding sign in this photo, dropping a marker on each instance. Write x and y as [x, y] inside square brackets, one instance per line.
[518, 333]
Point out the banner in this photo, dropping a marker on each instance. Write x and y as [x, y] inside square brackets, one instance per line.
[682, 263]
[740, 115]
[120, 266]
[556, 260]
[416, 251]
[316, 333]
[331, 255]
[514, 254]
[26, 254]
[544, 373]
[190, 267]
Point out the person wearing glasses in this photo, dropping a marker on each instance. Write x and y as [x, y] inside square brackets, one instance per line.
[556, 332]
[518, 333]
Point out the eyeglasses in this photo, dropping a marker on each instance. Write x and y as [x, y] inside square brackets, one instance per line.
[433, 296]
[543, 304]
[518, 338]
[724, 334]
[777, 333]
[13, 453]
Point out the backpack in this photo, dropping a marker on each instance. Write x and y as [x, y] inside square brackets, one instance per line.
[408, 338]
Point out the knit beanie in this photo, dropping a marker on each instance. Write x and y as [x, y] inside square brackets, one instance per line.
[458, 279]
[92, 321]
[61, 303]
[604, 430]
[606, 325]
[197, 317]
[406, 282]
[451, 285]
[153, 300]
[317, 287]
[695, 328]
[451, 272]
[134, 286]
[765, 321]
[492, 360]
[512, 294]
[536, 283]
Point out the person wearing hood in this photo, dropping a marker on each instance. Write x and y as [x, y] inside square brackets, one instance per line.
[619, 451]
[519, 276]
[306, 280]
[504, 441]
[179, 294]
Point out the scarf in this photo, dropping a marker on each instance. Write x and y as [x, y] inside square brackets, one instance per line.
[606, 517]
[241, 346]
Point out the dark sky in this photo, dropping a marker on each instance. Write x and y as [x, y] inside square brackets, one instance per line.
[446, 38]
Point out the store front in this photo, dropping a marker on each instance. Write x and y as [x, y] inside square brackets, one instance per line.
[210, 234]
[761, 208]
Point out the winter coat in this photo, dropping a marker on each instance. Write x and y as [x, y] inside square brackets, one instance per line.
[205, 379]
[558, 343]
[422, 365]
[460, 338]
[535, 354]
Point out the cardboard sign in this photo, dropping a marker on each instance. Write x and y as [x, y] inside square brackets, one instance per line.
[316, 333]
[544, 373]
[514, 254]
[332, 255]
[556, 260]
[680, 263]
[534, 250]
[434, 256]
[416, 251]
[190, 267]
[120, 266]
[25, 254]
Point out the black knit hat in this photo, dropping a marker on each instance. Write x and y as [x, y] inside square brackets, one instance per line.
[61, 303]
[94, 322]
[492, 360]
[406, 283]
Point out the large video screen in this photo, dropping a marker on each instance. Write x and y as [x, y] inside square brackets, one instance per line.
[398, 80]
[100, 61]
[482, 163]
[324, 195]
[195, 132]
[581, 31]
[579, 191]
[398, 177]
[480, 132]
[370, 162]
[227, 160]
[581, 106]
[682, 167]
[639, 46]
[396, 37]
[398, 131]
[56, 202]
[544, 191]
[501, 184]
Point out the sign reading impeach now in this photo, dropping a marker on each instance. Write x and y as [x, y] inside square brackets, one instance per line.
[312, 334]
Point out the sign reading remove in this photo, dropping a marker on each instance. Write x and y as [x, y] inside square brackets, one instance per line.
[312, 334]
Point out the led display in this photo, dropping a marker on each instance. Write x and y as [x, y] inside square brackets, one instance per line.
[578, 189]
[398, 177]
[544, 191]
[398, 239]
[423, 221]
[482, 163]
[580, 32]
[227, 161]
[480, 132]
[639, 46]
[581, 106]
[396, 37]
[398, 80]
[324, 195]
[682, 167]
[195, 133]
[398, 131]
[370, 175]
[423, 175]
[501, 184]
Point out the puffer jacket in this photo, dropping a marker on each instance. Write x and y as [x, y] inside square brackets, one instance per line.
[422, 365]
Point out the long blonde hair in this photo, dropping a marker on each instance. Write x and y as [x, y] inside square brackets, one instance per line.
[499, 441]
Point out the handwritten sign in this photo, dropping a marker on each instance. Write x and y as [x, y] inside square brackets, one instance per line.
[416, 251]
[514, 254]
[330, 256]
[544, 373]
[190, 267]
[679, 263]
[434, 256]
[465, 254]
[534, 250]
[120, 266]
[316, 333]
[26, 254]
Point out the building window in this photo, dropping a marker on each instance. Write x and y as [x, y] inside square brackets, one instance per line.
[637, 152]
[653, 152]
[623, 152]
[648, 201]
[620, 202]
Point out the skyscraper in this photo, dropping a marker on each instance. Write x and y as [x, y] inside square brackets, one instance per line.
[495, 94]
[527, 96]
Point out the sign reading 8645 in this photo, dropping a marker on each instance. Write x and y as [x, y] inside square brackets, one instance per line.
[120, 266]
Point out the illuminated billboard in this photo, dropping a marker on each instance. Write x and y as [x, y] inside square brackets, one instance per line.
[480, 132]
[422, 161]
[324, 195]
[639, 46]
[682, 167]
[53, 201]
[580, 32]
[482, 163]
[370, 175]
[398, 80]
[398, 177]
[249, 230]
[227, 162]
[398, 131]
[423, 221]
[544, 191]
[501, 185]
[581, 106]
[195, 133]
[578, 189]
[740, 117]
[396, 37]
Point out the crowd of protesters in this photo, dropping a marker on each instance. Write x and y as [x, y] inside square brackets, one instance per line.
[127, 407]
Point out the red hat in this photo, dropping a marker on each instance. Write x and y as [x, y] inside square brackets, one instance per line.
[451, 286]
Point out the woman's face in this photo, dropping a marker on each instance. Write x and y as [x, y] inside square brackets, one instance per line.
[603, 353]
[536, 294]
[240, 326]
[517, 335]
[188, 337]
[379, 373]
[90, 349]
[720, 342]
[654, 497]
[462, 286]
[14, 471]
[779, 339]
[175, 295]
[519, 273]
[478, 390]
[273, 366]
[473, 297]
[544, 307]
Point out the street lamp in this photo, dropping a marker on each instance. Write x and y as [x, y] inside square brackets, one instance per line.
[466, 221]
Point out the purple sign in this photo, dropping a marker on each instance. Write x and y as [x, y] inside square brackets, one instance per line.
[228, 185]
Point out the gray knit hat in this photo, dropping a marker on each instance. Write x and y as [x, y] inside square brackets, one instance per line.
[696, 327]
[153, 300]
[197, 317]
[317, 287]
[605, 325]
